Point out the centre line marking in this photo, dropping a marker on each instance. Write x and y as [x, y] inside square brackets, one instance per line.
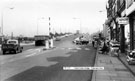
[31, 55]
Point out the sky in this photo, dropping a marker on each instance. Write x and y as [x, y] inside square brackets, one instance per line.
[31, 17]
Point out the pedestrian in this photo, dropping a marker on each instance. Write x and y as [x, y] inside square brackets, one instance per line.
[105, 48]
[93, 42]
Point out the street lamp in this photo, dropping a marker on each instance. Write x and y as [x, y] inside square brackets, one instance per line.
[2, 13]
[80, 23]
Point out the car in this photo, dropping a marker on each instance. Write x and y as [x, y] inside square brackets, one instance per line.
[81, 41]
[77, 40]
[66, 35]
[84, 41]
[131, 57]
[11, 45]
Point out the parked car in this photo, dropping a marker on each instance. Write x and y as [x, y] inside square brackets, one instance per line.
[84, 40]
[76, 41]
[11, 46]
[131, 57]
[81, 41]
[66, 35]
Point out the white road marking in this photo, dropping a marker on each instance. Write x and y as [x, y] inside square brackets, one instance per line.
[31, 55]
[24, 56]
[78, 48]
[70, 48]
[87, 49]
[67, 55]
[29, 49]
[38, 50]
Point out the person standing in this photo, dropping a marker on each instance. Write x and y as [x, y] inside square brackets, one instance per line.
[93, 42]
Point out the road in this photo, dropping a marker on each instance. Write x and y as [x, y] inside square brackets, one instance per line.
[47, 65]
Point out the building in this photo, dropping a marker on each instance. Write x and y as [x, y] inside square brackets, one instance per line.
[106, 31]
[117, 9]
[130, 13]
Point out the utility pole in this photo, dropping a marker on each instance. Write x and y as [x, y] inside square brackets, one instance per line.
[2, 23]
[49, 27]
[12, 35]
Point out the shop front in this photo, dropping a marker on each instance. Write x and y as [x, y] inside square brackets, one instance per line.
[134, 32]
[130, 11]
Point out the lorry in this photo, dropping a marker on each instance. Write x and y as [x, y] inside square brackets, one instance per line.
[11, 45]
[40, 40]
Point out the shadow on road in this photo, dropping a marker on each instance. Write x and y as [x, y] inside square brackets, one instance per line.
[56, 72]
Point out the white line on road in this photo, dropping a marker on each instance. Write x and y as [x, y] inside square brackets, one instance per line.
[70, 48]
[78, 48]
[31, 55]
[29, 49]
[87, 49]
[38, 50]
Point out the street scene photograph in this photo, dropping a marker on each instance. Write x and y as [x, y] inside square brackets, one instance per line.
[67, 40]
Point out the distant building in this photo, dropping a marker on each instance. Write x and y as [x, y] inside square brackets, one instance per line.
[117, 9]
[106, 31]
[77, 31]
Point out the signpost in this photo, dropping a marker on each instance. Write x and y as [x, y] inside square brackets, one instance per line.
[123, 20]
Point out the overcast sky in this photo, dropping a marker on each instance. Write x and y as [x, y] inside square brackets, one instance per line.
[26, 16]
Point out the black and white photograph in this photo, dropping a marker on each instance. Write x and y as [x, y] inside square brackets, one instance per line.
[67, 40]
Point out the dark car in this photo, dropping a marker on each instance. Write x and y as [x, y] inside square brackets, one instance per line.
[81, 41]
[131, 57]
[76, 41]
[11, 46]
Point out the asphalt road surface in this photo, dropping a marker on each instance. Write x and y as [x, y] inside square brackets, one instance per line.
[47, 65]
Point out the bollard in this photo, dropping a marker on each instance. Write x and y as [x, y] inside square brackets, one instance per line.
[51, 41]
[47, 44]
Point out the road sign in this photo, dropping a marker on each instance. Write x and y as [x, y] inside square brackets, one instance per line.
[123, 20]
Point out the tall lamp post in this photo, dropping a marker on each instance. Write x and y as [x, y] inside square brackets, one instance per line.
[80, 23]
[49, 27]
[2, 14]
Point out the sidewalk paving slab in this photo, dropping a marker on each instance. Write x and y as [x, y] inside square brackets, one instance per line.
[122, 58]
[114, 69]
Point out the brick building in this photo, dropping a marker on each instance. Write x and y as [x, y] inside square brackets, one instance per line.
[121, 9]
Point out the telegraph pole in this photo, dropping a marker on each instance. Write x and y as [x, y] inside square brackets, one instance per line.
[49, 26]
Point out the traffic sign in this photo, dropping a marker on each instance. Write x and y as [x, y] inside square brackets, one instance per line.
[123, 20]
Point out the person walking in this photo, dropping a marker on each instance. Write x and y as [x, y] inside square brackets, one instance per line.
[93, 42]
[105, 48]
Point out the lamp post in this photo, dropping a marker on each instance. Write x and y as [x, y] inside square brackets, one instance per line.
[2, 14]
[80, 23]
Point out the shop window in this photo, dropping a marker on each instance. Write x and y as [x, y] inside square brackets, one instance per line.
[129, 3]
[134, 33]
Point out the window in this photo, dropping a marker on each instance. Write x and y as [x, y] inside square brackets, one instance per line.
[12, 42]
[129, 3]
[134, 33]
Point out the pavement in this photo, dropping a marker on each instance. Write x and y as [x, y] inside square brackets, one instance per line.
[114, 69]
[122, 58]
[48, 66]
